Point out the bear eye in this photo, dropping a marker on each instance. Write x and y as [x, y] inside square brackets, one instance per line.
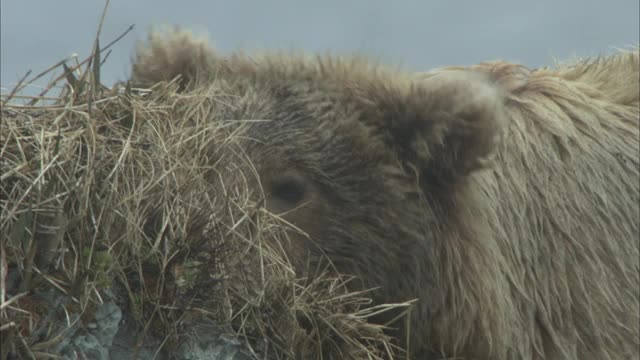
[289, 189]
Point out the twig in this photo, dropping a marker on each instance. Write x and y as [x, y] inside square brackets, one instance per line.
[74, 68]
[94, 62]
[30, 97]
[105, 58]
[45, 72]
[13, 299]
[15, 88]
[6, 326]
[4, 271]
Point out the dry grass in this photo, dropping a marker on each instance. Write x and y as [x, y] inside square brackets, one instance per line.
[140, 192]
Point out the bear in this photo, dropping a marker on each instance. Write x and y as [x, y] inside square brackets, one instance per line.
[503, 199]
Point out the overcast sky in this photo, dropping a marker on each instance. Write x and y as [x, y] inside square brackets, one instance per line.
[417, 34]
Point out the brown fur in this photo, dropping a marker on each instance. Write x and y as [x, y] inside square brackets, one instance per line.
[504, 199]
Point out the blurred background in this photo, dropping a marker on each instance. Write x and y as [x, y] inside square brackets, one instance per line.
[419, 35]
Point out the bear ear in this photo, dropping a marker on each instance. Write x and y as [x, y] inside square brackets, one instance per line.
[174, 54]
[444, 125]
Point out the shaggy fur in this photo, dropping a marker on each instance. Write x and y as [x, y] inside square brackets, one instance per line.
[504, 199]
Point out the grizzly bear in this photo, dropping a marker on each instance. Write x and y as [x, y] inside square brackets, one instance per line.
[504, 199]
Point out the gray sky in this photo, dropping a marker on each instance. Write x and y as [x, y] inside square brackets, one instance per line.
[418, 34]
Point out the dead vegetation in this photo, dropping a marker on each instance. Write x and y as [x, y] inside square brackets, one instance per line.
[124, 191]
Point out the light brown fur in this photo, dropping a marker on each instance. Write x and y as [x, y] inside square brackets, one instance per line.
[504, 199]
